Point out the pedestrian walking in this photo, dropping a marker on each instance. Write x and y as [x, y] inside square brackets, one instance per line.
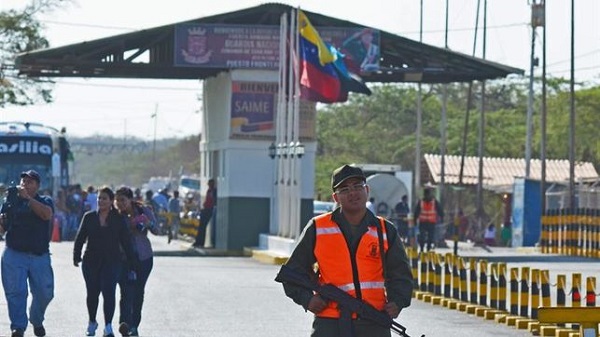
[27, 220]
[140, 220]
[174, 215]
[91, 199]
[402, 210]
[105, 234]
[356, 251]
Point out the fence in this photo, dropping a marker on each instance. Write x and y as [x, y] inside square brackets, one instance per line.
[497, 291]
[573, 232]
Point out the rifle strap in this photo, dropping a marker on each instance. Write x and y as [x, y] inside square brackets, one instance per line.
[381, 246]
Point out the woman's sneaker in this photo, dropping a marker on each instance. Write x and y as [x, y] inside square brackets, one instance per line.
[91, 329]
[39, 331]
[124, 329]
[133, 332]
[108, 331]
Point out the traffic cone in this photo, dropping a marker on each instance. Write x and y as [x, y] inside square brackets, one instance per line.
[55, 230]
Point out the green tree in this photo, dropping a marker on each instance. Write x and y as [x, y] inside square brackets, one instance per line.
[21, 31]
[587, 124]
[381, 128]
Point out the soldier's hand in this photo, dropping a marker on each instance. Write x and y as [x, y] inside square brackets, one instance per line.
[23, 192]
[317, 304]
[392, 309]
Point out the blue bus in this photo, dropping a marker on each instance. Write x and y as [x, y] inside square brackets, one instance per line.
[25, 146]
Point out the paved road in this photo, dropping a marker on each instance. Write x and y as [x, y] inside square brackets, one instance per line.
[190, 295]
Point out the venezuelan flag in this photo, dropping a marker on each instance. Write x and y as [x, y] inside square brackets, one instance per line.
[319, 79]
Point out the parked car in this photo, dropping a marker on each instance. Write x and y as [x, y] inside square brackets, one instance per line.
[321, 207]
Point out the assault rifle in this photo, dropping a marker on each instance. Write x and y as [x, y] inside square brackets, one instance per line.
[347, 303]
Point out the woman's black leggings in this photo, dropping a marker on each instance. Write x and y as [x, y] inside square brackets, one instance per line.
[101, 277]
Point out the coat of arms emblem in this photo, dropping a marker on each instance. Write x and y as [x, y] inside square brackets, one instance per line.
[196, 51]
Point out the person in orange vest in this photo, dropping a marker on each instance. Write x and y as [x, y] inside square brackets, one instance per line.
[356, 251]
[428, 213]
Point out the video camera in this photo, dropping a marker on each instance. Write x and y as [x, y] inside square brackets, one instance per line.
[10, 203]
[12, 193]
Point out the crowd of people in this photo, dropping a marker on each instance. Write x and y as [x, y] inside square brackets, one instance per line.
[113, 226]
[72, 202]
[423, 226]
[110, 233]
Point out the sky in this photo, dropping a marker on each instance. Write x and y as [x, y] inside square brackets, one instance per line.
[124, 108]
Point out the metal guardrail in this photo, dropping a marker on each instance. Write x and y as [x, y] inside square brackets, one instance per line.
[108, 147]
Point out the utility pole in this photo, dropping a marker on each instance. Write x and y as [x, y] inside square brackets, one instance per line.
[539, 19]
[572, 114]
[460, 187]
[443, 135]
[481, 147]
[417, 183]
[444, 122]
[155, 116]
[532, 63]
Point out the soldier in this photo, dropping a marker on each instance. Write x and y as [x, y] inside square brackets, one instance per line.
[357, 252]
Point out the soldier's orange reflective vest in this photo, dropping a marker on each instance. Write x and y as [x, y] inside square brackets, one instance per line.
[335, 266]
[428, 212]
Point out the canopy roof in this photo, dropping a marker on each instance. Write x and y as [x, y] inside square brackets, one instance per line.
[499, 173]
[402, 60]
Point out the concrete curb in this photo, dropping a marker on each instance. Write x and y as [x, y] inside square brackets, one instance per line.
[268, 257]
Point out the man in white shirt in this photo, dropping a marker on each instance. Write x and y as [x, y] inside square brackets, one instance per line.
[91, 201]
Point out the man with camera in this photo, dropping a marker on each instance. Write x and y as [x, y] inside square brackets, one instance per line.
[26, 219]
